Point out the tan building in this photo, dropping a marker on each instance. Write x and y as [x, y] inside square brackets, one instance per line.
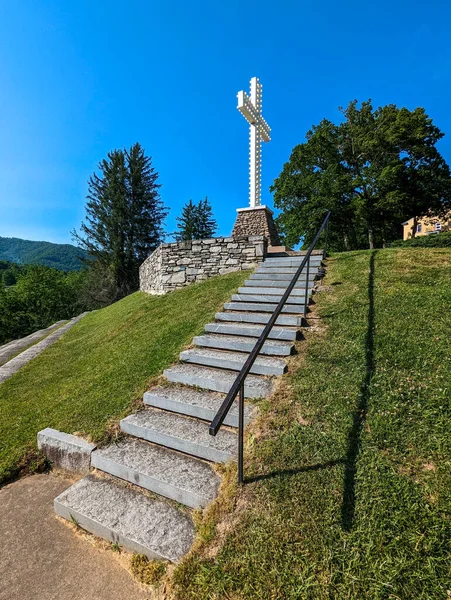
[425, 226]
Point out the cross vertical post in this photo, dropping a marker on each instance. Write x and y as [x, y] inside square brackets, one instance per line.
[251, 108]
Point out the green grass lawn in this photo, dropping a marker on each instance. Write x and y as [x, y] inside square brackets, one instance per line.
[91, 376]
[350, 462]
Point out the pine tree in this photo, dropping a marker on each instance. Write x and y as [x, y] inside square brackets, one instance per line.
[196, 222]
[206, 225]
[186, 223]
[124, 216]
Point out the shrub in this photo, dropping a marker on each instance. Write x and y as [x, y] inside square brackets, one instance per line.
[435, 240]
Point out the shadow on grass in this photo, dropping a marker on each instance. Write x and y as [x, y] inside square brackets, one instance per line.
[289, 472]
[359, 417]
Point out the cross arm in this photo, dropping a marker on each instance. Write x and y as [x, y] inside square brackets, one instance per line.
[249, 112]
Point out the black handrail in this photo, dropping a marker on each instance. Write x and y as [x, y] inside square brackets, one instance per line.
[238, 385]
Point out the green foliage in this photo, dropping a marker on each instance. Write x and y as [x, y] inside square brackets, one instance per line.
[149, 572]
[26, 252]
[41, 295]
[101, 366]
[196, 221]
[374, 170]
[350, 463]
[124, 217]
[437, 240]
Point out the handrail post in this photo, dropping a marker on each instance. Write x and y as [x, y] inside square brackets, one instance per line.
[306, 288]
[241, 434]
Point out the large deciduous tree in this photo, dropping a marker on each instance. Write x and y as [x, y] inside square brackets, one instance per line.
[124, 217]
[375, 169]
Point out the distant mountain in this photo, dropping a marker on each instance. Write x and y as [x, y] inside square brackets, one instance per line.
[26, 252]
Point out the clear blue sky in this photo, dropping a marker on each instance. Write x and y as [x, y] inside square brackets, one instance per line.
[78, 79]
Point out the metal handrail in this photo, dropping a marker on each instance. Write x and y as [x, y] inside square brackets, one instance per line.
[238, 385]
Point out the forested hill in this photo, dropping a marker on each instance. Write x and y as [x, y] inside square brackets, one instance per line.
[26, 252]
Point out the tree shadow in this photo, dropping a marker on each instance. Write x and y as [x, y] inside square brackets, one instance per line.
[359, 417]
[289, 472]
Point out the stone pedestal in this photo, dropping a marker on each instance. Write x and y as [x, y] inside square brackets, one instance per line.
[256, 221]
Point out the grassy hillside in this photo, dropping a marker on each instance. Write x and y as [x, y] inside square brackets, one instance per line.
[350, 463]
[26, 252]
[92, 375]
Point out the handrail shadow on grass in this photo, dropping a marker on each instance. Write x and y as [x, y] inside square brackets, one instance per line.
[289, 472]
[360, 413]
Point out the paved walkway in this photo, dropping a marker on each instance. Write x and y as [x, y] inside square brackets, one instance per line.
[42, 559]
[13, 365]
[11, 348]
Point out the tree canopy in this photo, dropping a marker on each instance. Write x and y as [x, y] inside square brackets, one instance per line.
[374, 170]
[124, 217]
[196, 221]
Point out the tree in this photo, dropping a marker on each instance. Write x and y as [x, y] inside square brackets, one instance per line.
[196, 221]
[374, 170]
[124, 217]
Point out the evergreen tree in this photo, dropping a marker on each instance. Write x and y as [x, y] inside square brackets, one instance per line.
[124, 216]
[196, 222]
[206, 225]
[186, 223]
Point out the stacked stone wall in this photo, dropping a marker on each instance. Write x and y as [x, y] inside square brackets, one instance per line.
[256, 222]
[176, 265]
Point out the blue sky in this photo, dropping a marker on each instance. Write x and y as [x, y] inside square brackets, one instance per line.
[78, 79]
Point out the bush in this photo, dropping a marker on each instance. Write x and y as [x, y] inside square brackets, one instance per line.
[435, 240]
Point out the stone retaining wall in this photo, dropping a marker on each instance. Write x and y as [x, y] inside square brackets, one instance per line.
[176, 265]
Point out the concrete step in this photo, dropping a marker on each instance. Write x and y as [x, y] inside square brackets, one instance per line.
[233, 361]
[193, 403]
[271, 298]
[176, 476]
[245, 317]
[286, 271]
[272, 291]
[217, 380]
[281, 277]
[181, 433]
[277, 283]
[291, 261]
[263, 307]
[118, 513]
[250, 330]
[243, 344]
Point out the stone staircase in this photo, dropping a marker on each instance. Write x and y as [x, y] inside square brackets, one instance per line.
[145, 485]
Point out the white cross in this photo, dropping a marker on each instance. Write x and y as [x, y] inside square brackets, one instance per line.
[251, 109]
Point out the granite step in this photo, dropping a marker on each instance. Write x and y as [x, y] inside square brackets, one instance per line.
[264, 307]
[194, 403]
[217, 380]
[277, 283]
[291, 261]
[181, 433]
[250, 330]
[273, 291]
[243, 344]
[271, 298]
[245, 317]
[282, 277]
[179, 477]
[122, 515]
[233, 361]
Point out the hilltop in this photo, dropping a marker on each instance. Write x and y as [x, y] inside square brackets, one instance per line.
[64, 257]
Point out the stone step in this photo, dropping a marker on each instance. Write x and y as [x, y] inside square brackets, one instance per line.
[286, 271]
[263, 307]
[217, 380]
[244, 317]
[193, 403]
[271, 298]
[176, 476]
[243, 344]
[291, 261]
[233, 361]
[120, 514]
[281, 277]
[181, 433]
[240, 328]
[277, 283]
[276, 291]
